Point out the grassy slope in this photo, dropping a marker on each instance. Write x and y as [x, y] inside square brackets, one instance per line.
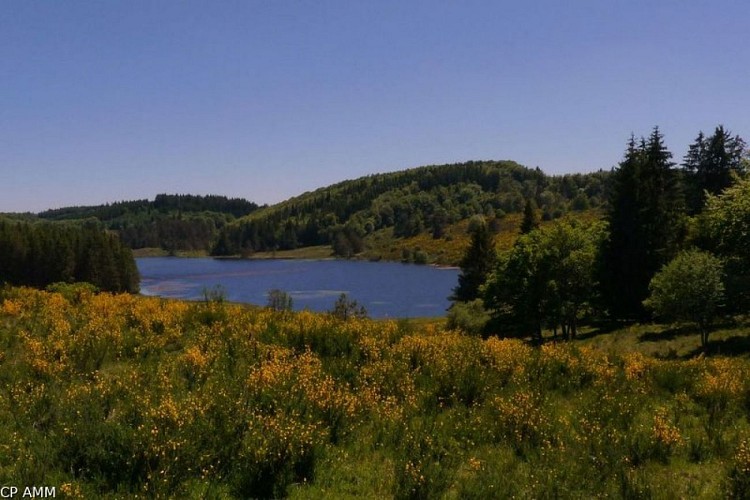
[449, 249]
[669, 341]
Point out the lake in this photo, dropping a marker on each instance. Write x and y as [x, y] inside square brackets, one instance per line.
[386, 289]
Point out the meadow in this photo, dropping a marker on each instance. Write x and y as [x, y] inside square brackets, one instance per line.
[120, 396]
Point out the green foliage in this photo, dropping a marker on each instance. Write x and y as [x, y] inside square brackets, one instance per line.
[711, 165]
[689, 288]
[580, 202]
[346, 308]
[477, 262]
[216, 294]
[469, 317]
[170, 222]
[530, 217]
[279, 300]
[347, 241]
[420, 257]
[726, 221]
[424, 200]
[724, 229]
[546, 280]
[646, 225]
[73, 292]
[738, 484]
[40, 253]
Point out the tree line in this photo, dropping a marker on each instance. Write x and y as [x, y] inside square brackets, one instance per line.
[41, 253]
[170, 222]
[674, 242]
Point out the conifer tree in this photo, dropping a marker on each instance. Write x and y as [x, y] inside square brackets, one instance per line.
[530, 217]
[38, 254]
[477, 263]
[646, 224]
[710, 166]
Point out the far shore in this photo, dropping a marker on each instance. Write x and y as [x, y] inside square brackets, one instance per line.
[320, 252]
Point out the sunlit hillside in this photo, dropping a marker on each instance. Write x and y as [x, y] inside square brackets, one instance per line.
[387, 214]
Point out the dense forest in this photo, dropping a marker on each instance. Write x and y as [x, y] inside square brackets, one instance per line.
[419, 200]
[41, 253]
[170, 222]
[673, 244]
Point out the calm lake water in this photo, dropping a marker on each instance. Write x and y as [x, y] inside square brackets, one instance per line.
[386, 289]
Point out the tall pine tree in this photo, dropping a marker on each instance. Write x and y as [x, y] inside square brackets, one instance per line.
[530, 219]
[646, 223]
[477, 263]
[710, 166]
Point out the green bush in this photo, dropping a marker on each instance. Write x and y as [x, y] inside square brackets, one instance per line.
[469, 317]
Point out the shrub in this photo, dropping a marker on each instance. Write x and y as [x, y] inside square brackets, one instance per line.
[469, 317]
[279, 300]
[689, 288]
[346, 308]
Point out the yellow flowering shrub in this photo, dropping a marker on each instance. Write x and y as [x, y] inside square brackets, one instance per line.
[130, 396]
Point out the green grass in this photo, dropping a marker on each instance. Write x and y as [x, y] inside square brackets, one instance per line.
[315, 252]
[160, 252]
[670, 341]
[449, 249]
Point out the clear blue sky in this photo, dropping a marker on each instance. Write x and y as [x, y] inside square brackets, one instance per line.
[105, 101]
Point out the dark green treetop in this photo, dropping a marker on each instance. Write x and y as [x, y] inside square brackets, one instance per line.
[477, 263]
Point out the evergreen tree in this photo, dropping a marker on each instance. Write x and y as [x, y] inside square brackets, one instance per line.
[710, 166]
[530, 217]
[646, 224]
[477, 263]
[43, 253]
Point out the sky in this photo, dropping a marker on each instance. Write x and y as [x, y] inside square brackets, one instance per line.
[122, 100]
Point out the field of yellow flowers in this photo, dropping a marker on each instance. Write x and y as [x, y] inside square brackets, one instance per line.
[122, 396]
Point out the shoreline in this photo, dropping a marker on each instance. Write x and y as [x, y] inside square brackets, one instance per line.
[322, 252]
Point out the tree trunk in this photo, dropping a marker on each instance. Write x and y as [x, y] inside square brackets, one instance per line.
[539, 332]
[573, 327]
[704, 336]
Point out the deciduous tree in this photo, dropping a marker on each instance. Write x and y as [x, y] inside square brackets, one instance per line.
[547, 279]
[689, 288]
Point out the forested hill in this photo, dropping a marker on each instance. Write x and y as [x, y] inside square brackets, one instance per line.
[170, 222]
[420, 200]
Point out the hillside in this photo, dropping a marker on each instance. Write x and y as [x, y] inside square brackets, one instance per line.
[415, 215]
[169, 222]
[386, 215]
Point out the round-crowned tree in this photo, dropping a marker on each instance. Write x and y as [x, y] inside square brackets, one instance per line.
[689, 288]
